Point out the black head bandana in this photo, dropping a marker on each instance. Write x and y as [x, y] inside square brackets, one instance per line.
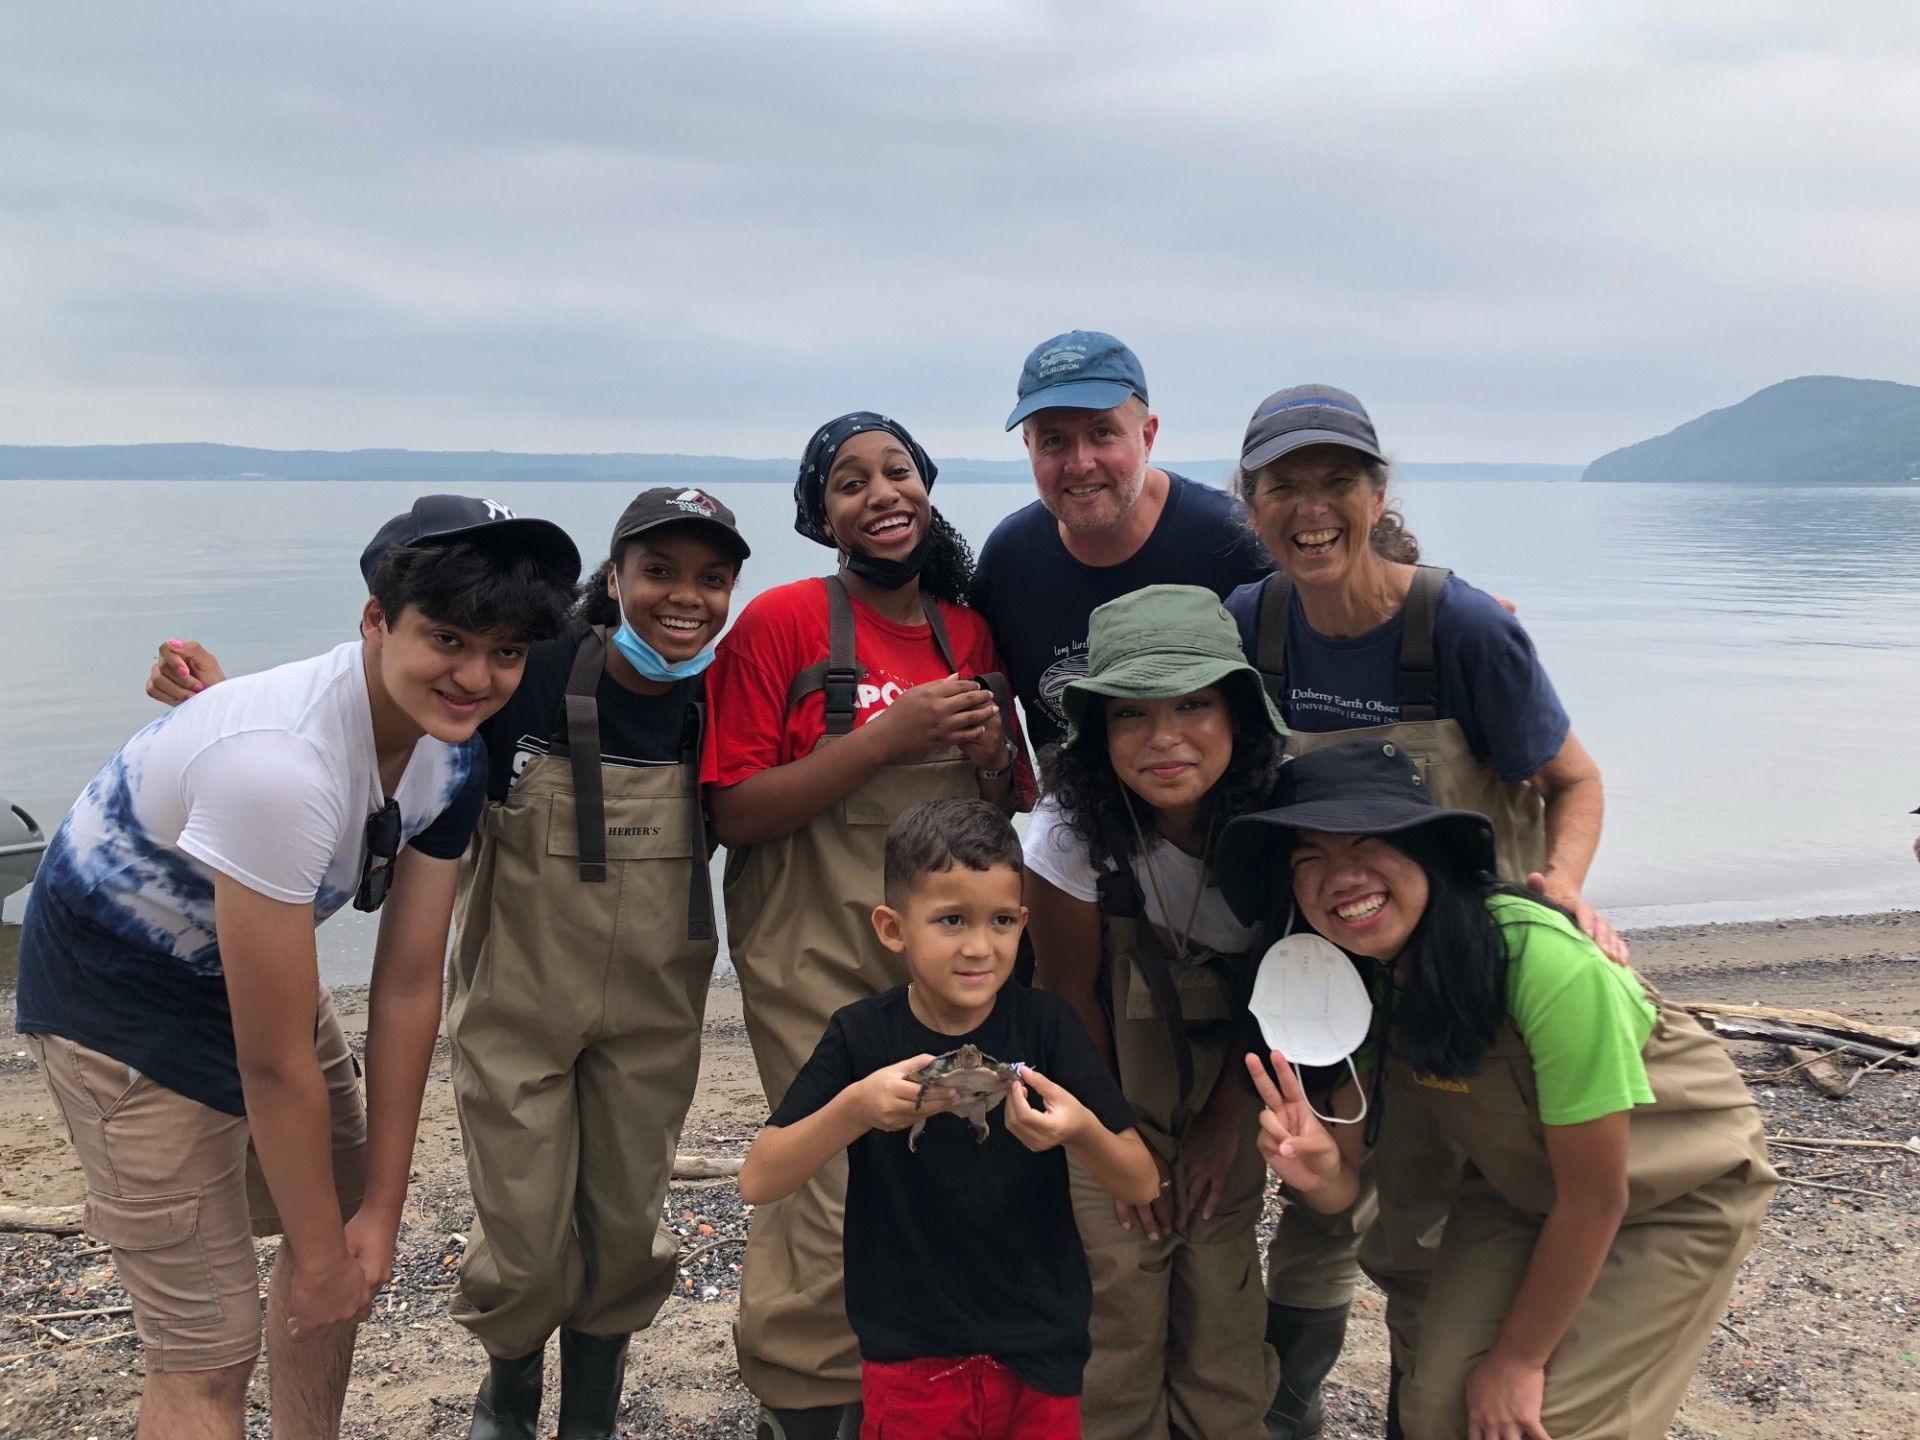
[810, 496]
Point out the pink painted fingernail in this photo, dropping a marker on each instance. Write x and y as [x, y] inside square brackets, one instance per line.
[180, 670]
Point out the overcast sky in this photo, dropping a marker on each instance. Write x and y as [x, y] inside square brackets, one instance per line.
[1517, 231]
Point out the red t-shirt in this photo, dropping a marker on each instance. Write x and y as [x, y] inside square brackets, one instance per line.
[784, 630]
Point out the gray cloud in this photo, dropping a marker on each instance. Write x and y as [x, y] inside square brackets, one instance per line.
[1520, 231]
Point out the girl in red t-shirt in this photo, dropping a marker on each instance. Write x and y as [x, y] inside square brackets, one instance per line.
[812, 757]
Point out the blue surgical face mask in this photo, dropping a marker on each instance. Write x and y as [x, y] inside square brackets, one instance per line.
[651, 664]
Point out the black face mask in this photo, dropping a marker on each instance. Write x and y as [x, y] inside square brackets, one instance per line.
[889, 574]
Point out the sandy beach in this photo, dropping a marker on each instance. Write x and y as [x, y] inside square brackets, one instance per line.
[1823, 1339]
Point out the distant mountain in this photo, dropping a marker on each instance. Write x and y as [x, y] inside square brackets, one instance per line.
[479, 467]
[1816, 430]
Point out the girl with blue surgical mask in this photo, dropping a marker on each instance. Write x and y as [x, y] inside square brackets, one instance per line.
[585, 943]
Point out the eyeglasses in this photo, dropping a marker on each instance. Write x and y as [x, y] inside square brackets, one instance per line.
[376, 870]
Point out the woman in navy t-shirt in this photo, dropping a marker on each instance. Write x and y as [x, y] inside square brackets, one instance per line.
[1353, 634]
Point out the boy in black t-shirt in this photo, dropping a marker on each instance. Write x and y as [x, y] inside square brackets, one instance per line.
[966, 1281]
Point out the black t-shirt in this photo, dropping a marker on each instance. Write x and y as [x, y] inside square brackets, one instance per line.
[1037, 598]
[964, 1248]
[634, 729]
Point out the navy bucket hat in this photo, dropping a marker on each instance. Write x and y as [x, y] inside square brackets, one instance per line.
[1358, 787]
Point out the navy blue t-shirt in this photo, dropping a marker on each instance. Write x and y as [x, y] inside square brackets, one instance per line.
[1037, 598]
[958, 1247]
[1486, 676]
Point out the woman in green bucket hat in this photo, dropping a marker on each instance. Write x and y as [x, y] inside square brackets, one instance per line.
[1169, 736]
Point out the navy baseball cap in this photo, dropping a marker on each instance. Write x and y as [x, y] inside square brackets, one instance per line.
[1304, 415]
[443, 519]
[679, 505]
[1080, 370]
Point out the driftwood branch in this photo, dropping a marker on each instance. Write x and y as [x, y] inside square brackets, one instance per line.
[705, 1167]
[1822, 1030]
[41, 1219]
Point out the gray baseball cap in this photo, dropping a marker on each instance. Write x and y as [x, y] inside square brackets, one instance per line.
[1303, 415]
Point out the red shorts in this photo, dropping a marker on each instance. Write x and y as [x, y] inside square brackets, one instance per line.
[969, 1397]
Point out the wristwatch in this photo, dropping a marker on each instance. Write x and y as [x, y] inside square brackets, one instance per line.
[1013, 758]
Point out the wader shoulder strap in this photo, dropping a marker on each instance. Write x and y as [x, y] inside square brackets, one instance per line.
[1417, 688]
[1270, 638]
[582, 736]
[1122, 899]
[700, 890]
[938, 625]
[994, 681]
[839, 674]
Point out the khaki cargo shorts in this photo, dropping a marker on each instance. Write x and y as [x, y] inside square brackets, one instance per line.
[174, 1187]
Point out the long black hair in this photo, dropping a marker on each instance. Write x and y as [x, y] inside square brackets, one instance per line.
[1100, 810]
[1448, 1011]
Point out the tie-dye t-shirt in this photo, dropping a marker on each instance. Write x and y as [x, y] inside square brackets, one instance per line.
[268, 779]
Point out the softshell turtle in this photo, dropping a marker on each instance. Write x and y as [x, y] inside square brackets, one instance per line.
[980, 1081]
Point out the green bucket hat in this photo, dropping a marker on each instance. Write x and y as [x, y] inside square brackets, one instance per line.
[1159, 642]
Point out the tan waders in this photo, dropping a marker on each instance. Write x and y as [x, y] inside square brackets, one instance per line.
[800, 934]
[1177, 1322]
[580, 972]
[1698, 1183]
[1393, 1228]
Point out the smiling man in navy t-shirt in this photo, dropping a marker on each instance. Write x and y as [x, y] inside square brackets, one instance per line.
[1106, 522]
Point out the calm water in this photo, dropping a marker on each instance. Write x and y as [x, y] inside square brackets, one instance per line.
[1745, 663]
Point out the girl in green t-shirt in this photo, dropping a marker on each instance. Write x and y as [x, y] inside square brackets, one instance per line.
[1617, 1166]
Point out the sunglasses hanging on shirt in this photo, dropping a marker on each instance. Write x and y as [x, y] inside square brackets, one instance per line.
[376, 868]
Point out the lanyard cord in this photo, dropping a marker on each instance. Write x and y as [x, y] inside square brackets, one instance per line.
[1183, 939]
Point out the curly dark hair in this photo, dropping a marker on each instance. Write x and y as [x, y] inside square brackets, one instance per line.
[592, 605]
[948, 571]
[1096, 802]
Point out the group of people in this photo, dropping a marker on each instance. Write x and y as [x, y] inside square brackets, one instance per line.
[1261, 726]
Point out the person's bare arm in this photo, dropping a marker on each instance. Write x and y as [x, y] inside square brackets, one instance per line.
[1065, 931]
[402, 1022]
[273, 987]
[1575, 803]
[782, 1158]
[777, 801]
[1589, 1163]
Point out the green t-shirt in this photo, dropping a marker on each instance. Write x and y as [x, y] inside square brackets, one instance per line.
[1584, 1019]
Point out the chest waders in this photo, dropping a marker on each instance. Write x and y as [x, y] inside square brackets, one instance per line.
[1393, 1228]
[1176, 1323]
[800, 934]
[580, 968]
[1698, 1183]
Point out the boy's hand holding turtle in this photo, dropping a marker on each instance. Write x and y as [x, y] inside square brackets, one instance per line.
[890, 1099]
[1296, 1145]
[1064, 1120]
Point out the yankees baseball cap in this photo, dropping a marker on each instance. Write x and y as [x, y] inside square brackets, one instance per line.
[443, 519]
[1080, 370]
[679, 505]
[1303, 415]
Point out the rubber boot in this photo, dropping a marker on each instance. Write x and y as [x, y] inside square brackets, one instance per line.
[1307, 1342]
[1394, 1432]
[822, 1422]
[592, 1370]
[508, 1405]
